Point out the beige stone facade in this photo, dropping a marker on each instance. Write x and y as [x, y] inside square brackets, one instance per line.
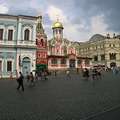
[104, 50]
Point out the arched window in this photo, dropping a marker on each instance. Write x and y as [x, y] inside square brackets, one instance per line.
[42, 42]
[112, 56]
[1, 34]
[26, 34]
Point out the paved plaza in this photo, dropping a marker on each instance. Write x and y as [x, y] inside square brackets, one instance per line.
[61, 99]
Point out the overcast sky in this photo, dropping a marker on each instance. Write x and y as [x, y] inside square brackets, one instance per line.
[81, 18]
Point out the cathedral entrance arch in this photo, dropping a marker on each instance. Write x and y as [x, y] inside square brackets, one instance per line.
[72, 60]
[112, 64]
[26, 66]
[72, 63]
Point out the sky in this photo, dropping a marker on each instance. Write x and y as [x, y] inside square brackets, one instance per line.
[81, 18]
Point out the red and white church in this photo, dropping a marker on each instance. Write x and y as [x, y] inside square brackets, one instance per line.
[62, 53]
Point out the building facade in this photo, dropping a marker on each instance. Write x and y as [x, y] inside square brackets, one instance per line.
[17, 44]
[104, 50]
[64, 54]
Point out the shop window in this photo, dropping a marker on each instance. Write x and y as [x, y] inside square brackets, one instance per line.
[63, 61]
[54, 61]
[9, 66]
[10, 35]
[95, 58]
[87, 62]
[26, 34]
[79, 61]
[1, 34]
[102, 57]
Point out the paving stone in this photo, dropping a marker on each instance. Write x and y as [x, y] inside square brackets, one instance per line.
[59, 98]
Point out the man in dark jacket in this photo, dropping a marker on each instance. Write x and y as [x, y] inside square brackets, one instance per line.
[20, 82]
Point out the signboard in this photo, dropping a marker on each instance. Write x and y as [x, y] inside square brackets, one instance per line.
[41, 57]
[41, 54]
[41, 61]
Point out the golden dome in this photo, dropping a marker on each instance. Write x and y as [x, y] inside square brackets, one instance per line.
[57, 25]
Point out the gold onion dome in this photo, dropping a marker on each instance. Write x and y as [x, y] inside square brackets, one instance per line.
[57, 25]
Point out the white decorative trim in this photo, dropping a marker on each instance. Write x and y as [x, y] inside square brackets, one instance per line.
[11, 28]
[2, 64]
[23, 31]
[3, 27]
[9, 59]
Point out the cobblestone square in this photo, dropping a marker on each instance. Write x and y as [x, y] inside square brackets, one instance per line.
[59, 98]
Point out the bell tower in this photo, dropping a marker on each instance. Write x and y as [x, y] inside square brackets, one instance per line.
[57, 28]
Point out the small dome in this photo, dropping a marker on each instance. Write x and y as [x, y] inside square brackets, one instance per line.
[57, 25]
[97, 37]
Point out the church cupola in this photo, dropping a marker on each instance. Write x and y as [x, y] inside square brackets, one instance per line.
[57, 30]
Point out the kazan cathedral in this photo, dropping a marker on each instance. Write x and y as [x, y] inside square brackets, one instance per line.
[99, 50]
[62, 53]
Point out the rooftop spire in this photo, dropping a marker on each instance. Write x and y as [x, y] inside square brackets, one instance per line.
[57, 16]
[39, 28]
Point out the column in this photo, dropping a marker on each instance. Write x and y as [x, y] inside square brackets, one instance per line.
[19, 29]
[76, 65]
[68, 63]
[99, 58]
[34, 32]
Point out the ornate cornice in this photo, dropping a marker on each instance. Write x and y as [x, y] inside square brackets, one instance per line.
[27, 25]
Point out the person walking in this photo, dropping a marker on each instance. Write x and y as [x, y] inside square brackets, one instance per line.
[68, 74]
[86, 74]
[20, 82]
[31, 77]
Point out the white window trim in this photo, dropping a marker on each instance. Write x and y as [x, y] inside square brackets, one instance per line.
[2, 65]
[23, 32]
[3, 27]
[12, 64]
[11, 28]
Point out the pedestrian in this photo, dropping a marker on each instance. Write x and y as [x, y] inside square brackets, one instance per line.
[27, 77]
[55, 73]
[20, 81]
[36, 75]
[68, 74]
[86, 73]
[45, 75]
[31, 77]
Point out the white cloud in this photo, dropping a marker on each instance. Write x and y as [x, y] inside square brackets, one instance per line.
[3, 9]
[55, 12]
[98, 25]
[70, 31]
[78, 32]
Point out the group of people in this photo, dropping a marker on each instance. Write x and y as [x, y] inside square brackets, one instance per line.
[94, 73]
[41, 75]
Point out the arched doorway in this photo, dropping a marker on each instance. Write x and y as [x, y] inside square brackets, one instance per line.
[26, 66]
[72, 63]
[112, 64]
